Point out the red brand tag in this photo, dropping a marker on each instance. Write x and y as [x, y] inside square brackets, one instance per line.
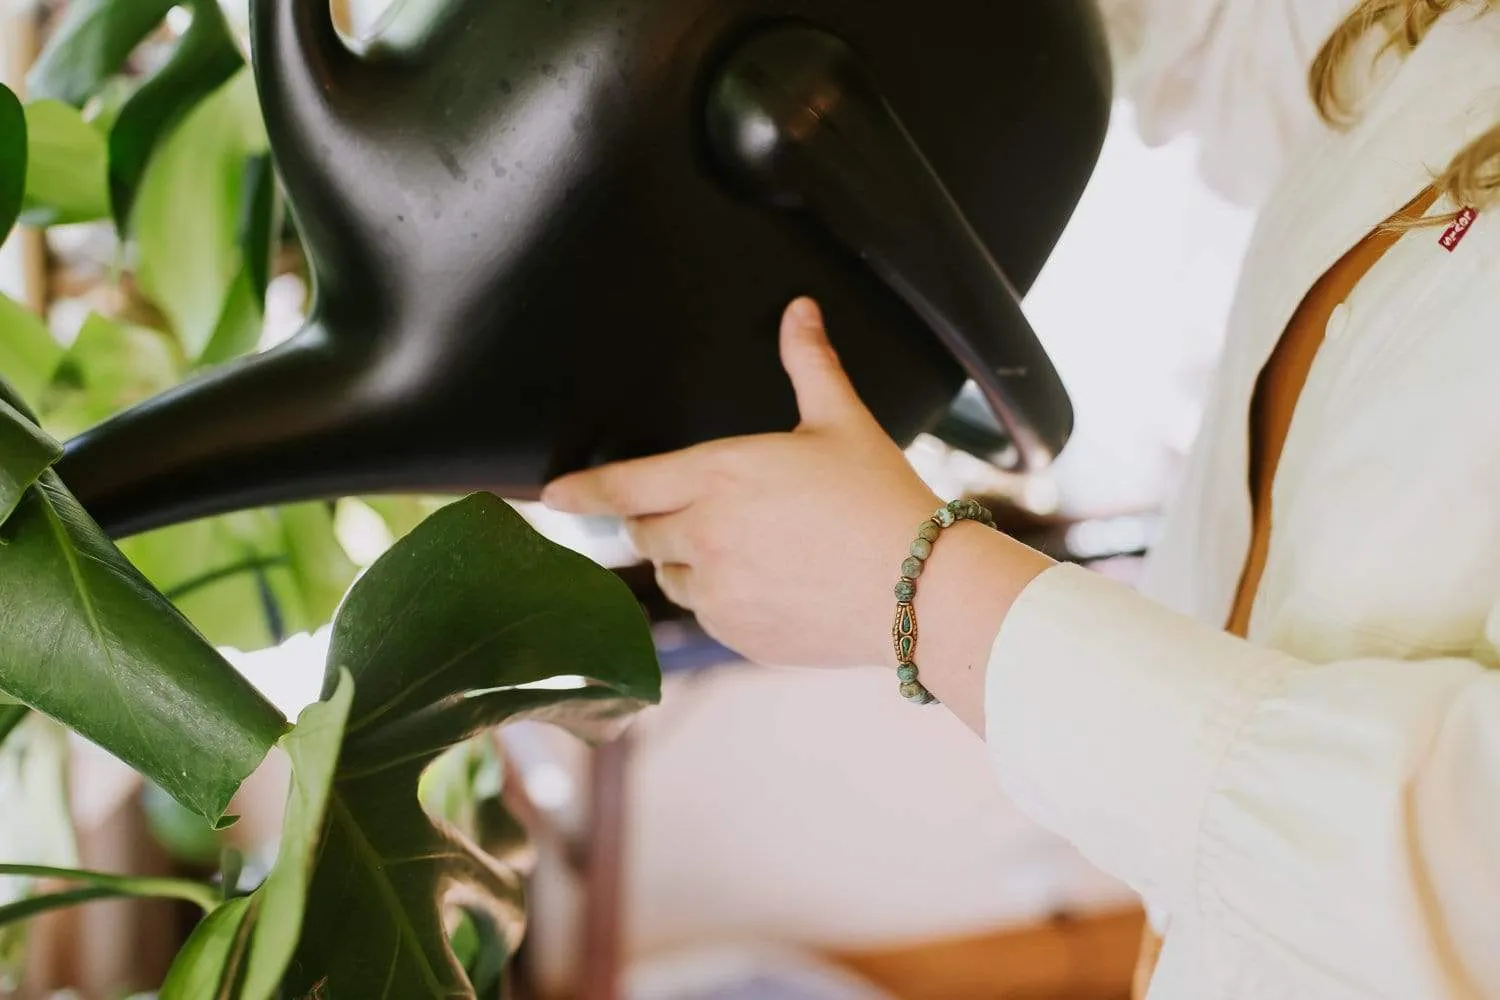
[1454, 234]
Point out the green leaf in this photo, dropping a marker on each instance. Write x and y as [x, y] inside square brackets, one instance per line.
[261, 214]
[313, 747]
[25, 453]
[203, 60]
[248, 580]
[239, 327]
[28, 354]
[67, 177]
[445, 637]
[187, 216]
[198, 972]
[102, 885]
[110, 366]
[12, 159]
[90, 45]
[86, 640]
[12, 714]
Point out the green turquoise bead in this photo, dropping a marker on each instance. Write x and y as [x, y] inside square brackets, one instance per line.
[906, 672]
[905, 591]
[929, 531]
[912, 568]
[945, 517]
[921, 549]
[913, 690]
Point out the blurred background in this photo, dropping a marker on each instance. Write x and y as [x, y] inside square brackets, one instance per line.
[770, 833]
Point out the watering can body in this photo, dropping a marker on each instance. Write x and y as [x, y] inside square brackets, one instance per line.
[531, 253]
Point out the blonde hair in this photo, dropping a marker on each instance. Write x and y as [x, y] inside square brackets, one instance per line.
[1473, 178]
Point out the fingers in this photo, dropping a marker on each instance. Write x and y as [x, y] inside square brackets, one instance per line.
[675, 581]
[657, 485]
[661, 538]
[825, 396]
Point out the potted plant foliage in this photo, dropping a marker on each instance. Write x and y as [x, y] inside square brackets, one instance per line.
[471, 619]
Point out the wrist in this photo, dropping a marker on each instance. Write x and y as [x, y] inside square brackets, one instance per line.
[967, 586]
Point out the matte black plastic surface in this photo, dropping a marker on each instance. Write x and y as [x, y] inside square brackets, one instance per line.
[530, 259]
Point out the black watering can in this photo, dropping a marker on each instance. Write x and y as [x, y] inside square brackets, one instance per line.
[550, 233]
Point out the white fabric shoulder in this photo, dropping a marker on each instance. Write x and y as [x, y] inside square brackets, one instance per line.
[1230, 73]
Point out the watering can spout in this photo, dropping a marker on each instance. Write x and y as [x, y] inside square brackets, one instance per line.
[218, 443]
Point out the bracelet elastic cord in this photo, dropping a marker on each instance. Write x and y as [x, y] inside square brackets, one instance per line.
[904, 630]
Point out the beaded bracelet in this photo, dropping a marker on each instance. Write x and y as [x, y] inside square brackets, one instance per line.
[904, 630]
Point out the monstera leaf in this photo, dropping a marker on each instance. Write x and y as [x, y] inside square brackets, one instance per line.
[242, 949]
[471, 621]
[85, 639]
[460, 627]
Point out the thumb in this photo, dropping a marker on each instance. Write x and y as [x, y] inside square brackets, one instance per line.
[825, 396]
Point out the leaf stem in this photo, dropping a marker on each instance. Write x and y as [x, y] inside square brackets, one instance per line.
[202, 895]
[250, 564]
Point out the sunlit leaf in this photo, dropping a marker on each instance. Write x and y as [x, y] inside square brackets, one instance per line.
[187, 216]
[444, 636]
[260, 219]
[249, 580]
[67, 177]
[109, 367]
[12, 159]
[85, 639]
[90, 45]
[261, 216]
[201, 62]
[28, 354]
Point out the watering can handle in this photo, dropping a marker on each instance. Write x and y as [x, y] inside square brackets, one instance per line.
[795, 120]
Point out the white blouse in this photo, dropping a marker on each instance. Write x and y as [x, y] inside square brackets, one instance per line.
[1315, 812]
